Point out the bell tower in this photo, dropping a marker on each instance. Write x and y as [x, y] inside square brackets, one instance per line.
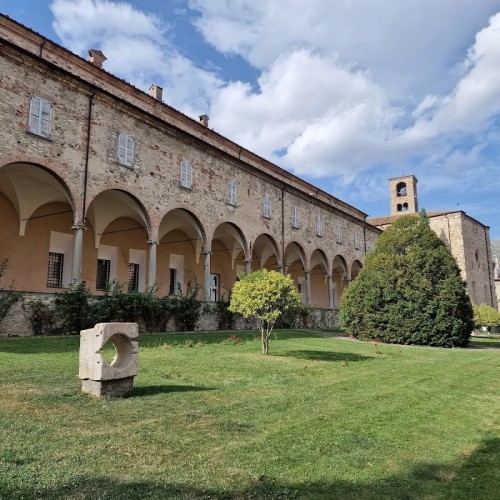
[403, 195]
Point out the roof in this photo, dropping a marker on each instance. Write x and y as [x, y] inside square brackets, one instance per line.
[389, 219]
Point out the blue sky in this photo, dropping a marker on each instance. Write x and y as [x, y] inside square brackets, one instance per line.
[345, 94]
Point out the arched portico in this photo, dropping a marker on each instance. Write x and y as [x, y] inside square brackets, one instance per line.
[181, 242]
[320, 280]
[229, 258]
[296, 266]
[118, 227]
[265, 253]
[36, 236]
[339, 277]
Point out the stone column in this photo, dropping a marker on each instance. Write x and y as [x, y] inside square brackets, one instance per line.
[248, 266]
[76, 269]
[152, 263]
[308, 288]
[206, 268]
[330, 291]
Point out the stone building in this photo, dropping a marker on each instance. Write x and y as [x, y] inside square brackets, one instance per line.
[467, 239]
[495, 250]
[100, 181]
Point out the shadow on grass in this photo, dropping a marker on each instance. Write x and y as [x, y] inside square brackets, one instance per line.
[482, 344]
[477, 477]
[152, 390]
[40, 345]
[325, 356]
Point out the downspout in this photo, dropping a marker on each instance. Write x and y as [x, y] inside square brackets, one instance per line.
[283, 267]
[41, 49]
[86, 175]
[488, 263]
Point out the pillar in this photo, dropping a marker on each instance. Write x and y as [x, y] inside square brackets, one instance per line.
[248, 266]
[76, 269]
[152, 263]
[308, 288]
[206, 270]
[330, 291]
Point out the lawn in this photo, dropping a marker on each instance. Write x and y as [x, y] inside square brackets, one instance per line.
[211, 417]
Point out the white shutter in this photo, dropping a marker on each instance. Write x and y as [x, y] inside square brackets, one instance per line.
[35, 113]
[39, 116]
[122, 148]
[267, 206]
[125, 149]
[231, 192]
[186, 174]
[46, 109]
[295, 217]
[319, 226]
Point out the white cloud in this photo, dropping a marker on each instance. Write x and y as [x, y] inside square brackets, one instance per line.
[138, 49]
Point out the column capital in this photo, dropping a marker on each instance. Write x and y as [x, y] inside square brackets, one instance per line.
[79, 225]
[153, 242]
[206, 252]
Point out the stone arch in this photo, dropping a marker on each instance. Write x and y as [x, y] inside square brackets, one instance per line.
[229, 255]
[266, 253]
[119, 228]
[37, 210]
[355, 269]
[319, 268]
[181, 238]
[28, 186]
[297, 266]
[340, 277]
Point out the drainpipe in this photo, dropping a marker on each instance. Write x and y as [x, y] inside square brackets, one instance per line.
[283, 266]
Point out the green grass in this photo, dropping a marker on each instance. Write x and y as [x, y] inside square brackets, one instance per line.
[212, 418]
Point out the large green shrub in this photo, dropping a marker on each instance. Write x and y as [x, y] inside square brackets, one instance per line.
[187, 308]
[410, 290]
[485, 315]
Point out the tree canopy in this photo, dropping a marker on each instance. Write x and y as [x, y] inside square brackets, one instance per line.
[264, 295]
[410, 290]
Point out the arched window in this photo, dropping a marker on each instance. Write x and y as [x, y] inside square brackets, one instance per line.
[400, 207]
[401, 189]
[405, 207]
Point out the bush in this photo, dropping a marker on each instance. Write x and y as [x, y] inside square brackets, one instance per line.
[7, 297]
[225, 317]
[410, 291]
[485, 315]
[187, 309]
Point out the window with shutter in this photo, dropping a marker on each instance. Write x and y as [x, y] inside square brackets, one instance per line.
[266, 210]
[231, 192]
[186, 174]
[40, 116]
[319, 226]
[126, 149]
[295, 217]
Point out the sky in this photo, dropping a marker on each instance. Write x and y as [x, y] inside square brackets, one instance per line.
[343, 93]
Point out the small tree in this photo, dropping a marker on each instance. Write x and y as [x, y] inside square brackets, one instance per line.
[410, 290]
[485, 315]
[264, 295]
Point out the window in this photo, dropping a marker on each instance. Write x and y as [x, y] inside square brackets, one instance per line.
[103, 270]
[214, 287]
[133, 277]
[357, 240]
[126, 149]
[186, 174]
[172, 282]
[266, 208]
[339, 235]
[401, 189]
[40, 116]
[295, 217]
[319, 225]
[231, 192]
[55, 270]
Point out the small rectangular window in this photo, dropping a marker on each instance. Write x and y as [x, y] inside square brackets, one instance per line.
[266, 208]
[214, 287]
[55, 270]
[133, 277]
[231, 192]
[126, 148]
[186, 174]
[295, 217]
[40, 116]
[319, 225]
[173, 286]
[339, 235]
[103, 270]
[357, 240]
